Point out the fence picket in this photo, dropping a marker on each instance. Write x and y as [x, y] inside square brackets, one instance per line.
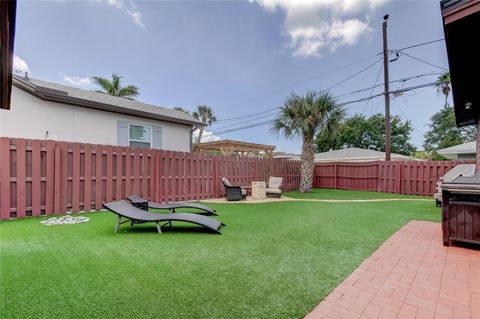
[76, 177]
[109, 174]
[87, 185]
[36, 177]
[98, 176]
[20, 178]
[119, 175]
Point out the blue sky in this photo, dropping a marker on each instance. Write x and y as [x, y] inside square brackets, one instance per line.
[240, 57]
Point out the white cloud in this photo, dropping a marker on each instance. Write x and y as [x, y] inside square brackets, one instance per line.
[75, 80]
[127, 6]
[115, 3]
[136, 16]
[207, 136]
[315, 26]
[19, 64]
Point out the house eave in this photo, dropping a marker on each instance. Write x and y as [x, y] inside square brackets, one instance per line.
[58, 96]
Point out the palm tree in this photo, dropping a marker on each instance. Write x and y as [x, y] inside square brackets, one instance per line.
[304, 117]
[204, 113]
[113, 87]
[443, 86]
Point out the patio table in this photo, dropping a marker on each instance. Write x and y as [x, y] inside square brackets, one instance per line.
[259, 190]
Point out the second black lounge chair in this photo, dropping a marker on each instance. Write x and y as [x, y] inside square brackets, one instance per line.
[136, 216]
[144, 204]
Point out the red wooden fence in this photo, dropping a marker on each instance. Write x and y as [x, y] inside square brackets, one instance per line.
[45, 177]
[400, 177]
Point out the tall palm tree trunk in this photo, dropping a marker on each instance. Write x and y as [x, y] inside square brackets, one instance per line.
[308, 165]
[200, 133]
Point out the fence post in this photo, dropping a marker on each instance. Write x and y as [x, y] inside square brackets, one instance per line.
[5, 177]
[335, 173]
[36, 179]
[379, 180]
[398, 174]
[56, 180]
[63, 168]
[20, 177]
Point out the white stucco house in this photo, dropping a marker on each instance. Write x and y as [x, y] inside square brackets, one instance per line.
[465, 151]
[44, 110]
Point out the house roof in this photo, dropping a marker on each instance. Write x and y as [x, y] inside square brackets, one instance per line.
[465, 148]
[95, 100]
[355, 154]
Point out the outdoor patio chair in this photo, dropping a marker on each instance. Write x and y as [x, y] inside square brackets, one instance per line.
[274, 188]
[144, 204]
[233, 192]
[136, 215]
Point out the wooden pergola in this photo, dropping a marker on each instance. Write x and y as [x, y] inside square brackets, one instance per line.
[231, 147]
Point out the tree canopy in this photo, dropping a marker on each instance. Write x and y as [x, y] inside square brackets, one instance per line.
[205, 114]
[369, 133]
[443, 131]
[443, 86]
[304, 116]
[114, 87]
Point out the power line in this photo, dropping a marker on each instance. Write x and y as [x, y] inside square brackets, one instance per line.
[244, 116]
[245, 127]
[318, 76]
[423, 61]
[391, 82]
[297, 83]
[330, 87]
[373, 87]
[255, 116]
[418, 45]
[246, 121]
[351, 76]
[397, 91]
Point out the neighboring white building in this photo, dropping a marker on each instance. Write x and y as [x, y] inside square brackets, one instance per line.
[44, 110]
[354, 154]
[465, 151]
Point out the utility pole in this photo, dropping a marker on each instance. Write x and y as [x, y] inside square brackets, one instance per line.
[387, 90]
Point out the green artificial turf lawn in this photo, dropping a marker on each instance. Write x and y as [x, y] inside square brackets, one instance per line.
[273, 260]
[326, 193]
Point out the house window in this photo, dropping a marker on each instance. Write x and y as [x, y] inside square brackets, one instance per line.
[139, 135]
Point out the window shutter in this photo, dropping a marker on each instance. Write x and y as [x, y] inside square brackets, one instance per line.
[122, 133]
[157, 137]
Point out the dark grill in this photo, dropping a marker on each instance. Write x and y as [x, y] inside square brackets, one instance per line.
[461, 210]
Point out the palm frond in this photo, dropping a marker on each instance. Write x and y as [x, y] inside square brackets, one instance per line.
[205, 114]
[113, 87]
[103, 83]
[130, 91]
[307, 115]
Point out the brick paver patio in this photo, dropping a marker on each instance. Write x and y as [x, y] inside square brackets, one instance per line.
[410, 276]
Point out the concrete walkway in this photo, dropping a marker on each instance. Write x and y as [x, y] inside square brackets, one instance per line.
[250, 200]
[410, 276]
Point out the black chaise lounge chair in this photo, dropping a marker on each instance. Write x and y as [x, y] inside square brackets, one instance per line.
[137, 216]
[144, 204]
